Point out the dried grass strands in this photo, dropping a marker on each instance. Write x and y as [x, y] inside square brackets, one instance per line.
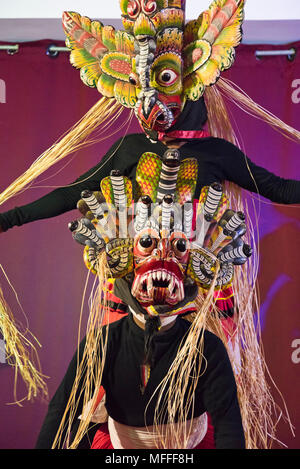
[258, 407]
[244, 102]
[73, 140]
[113, 122]
[89, 366]
[218, 120]
[21, 354]
[260, 413]
[176, 392]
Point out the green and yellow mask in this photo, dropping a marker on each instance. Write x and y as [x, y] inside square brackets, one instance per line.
[158, 61]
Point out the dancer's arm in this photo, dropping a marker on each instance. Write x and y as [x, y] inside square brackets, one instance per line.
[58, 405]
[246, 174]
[63, 199]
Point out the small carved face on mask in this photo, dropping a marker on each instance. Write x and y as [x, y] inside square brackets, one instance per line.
[159, 267]
[157, 28]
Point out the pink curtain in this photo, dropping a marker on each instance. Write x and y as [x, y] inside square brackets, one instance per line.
[42, 97]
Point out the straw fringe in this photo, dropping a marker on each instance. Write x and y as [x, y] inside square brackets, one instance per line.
[21, 354]
[260, 413]
[173, 407]
[90, 366]
[104, 110]
[101, 116]
[244, 102]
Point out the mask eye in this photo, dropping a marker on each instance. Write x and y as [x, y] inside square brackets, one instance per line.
[146, 241]
[167, 77]
[133, 79]
[180, 247]
[145, 245]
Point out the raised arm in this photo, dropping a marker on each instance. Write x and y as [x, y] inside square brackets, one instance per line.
[63, 199]
[243, 172]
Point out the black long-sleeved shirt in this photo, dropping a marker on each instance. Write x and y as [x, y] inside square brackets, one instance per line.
[215, 393]
[218, 161]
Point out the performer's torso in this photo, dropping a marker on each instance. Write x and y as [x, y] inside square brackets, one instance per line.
[125, 400]
[210, 154]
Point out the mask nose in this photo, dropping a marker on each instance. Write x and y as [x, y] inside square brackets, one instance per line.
[148, 100]
[163, 249]
[150, 110]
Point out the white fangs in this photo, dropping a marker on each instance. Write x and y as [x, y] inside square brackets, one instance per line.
[143, 287]
[149, 285]
[171, 284]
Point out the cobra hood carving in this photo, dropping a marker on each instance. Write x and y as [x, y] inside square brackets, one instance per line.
[157, 237]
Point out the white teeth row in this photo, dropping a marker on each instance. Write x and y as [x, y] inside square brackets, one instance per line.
[163, 275]
[158, 275]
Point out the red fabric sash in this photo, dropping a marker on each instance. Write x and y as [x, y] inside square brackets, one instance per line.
[184, 134]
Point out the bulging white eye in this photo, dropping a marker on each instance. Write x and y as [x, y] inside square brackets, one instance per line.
[145, 245]
[180, 247]
[146, 241]
[133, 79]
[167, 77]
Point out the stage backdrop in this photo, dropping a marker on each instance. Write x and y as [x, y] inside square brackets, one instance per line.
[41, 97]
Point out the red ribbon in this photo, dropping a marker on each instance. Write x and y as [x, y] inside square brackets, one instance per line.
[184, 134]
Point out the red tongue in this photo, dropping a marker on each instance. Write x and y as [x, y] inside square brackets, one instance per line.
[160, 294]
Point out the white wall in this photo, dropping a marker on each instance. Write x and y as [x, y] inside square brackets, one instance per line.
[255, 9]
[266, 22]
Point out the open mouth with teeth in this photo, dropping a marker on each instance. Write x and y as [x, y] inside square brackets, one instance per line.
[160, 118]
[159, 284]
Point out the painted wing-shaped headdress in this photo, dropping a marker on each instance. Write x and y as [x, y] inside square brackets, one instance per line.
[157, 57]
[210, 43]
